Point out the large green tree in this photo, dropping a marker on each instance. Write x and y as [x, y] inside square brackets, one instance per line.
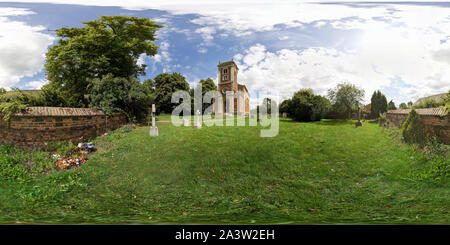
[165, 85]
[378, 104]
[346, 97]
[206, 85]
[116, 94]
[391, 105]
[108, 45]
[305, 106]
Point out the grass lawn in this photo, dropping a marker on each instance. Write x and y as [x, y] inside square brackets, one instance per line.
[326, 172]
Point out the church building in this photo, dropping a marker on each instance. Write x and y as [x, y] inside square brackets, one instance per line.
[234, 95]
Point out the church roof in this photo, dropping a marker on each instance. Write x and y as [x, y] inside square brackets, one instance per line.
[242, 86]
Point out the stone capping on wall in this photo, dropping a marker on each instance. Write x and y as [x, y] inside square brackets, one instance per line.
[435, 120]
[440, 111]
[39, 125]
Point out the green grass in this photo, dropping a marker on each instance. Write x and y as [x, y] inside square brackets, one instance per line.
[326, 172]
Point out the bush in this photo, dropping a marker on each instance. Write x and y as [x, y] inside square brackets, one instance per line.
[7, 109]
[305, 106]
[413, 131]
[116, 94]
[126, 128]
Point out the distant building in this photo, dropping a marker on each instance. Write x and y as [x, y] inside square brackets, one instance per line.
[229, 86]
[436, 97]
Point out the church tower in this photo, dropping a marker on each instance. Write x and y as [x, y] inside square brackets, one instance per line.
[227, 77]
[228, 82]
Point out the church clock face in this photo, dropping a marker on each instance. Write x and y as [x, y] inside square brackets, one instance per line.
[224, 90]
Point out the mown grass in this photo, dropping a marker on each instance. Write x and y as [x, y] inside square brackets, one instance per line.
[326, 172]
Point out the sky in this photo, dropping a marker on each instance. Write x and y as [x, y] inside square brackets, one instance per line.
[400, 48]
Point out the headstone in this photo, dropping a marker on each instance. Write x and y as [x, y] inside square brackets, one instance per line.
[198, 123]
[153, 128]
[284, 115]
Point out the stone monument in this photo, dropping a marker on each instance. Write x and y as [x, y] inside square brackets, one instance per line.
[153, 128]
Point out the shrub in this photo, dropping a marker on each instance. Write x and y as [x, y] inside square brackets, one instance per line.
[115, 94]
[9, 108]
[126, 128]
[412, 129]
[305, 106]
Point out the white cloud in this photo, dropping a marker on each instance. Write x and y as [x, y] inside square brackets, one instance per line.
[36, 84]
[23, 47]
[202, 50]
[286, 70]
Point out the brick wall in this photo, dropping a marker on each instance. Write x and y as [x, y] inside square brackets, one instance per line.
[31, 130]
[437, 125]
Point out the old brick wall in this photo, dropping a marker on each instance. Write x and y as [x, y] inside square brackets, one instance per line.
[34, 130]
[434, 124]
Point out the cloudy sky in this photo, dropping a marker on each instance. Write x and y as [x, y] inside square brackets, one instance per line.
[401, 48]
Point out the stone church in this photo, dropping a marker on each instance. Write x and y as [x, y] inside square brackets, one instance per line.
[234, 95]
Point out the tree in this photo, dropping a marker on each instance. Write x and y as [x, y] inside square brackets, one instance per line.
[410, 104]
[391, 105]
[165, 85]
[109, 45]
[403, 106]
[346, 97]
[116, 94]
[427, 103]
[2, 91]
[305, 106]
[206, 85]
[378, 104]
[284, 106]
[412, 129]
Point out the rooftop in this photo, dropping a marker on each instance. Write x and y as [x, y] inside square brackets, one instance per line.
[231, 62]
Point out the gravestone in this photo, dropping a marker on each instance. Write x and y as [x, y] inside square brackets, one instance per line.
[153, 128]
[284, 115]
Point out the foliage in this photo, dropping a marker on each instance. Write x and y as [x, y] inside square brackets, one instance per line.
[305, 106]
[115, 94]
[403, 106]
[345, 97]
[428, 103]
[284, 106]
[62, 148]
[7, 109]
[108, 45]
[391, 105]
[165, 85]
[10, 167]
[206, 85]
[125, 128]
[378, 104]
[382, 119]
[413, 131]
[436, 163]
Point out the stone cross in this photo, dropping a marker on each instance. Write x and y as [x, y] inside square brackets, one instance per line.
[153, 128]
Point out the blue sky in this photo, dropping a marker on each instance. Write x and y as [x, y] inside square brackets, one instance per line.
[403, 49]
